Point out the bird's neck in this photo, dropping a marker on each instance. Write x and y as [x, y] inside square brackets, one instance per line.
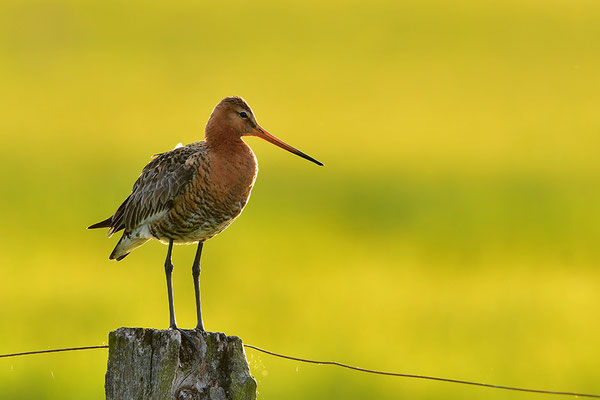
[226, 144]
[233, 163]
[215, 135]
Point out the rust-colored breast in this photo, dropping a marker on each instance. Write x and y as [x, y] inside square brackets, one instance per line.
[216, 194]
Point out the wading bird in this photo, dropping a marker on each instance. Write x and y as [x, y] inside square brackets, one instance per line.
[192, 193]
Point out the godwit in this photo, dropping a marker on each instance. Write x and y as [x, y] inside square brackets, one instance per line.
[192, 193]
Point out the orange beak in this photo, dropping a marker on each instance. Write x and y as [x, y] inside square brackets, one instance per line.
[261, 133]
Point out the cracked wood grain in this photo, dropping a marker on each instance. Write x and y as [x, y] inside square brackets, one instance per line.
[158, 364]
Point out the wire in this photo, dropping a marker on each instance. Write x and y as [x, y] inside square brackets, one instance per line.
[371, 371]
[432, 378]
[52, 351]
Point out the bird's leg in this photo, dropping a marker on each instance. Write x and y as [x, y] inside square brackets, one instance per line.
[196, 275]
[172, 323]
[168, 273]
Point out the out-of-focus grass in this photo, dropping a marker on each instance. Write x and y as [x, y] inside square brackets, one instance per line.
[452, 232]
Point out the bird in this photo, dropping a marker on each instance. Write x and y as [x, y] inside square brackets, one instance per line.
[192, 193]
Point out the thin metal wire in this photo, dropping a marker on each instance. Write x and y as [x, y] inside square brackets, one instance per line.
[371, 371]
[432, 378]
[52, 351]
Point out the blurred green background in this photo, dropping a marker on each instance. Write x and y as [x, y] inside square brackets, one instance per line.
[452, 232]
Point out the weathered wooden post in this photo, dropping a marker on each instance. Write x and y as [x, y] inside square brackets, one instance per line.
[161, 364]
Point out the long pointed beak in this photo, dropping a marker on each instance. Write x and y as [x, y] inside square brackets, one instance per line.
[261, 133]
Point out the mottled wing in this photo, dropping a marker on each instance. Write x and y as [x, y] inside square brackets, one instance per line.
[167, 175]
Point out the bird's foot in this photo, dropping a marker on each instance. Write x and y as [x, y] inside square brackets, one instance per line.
[187, 336]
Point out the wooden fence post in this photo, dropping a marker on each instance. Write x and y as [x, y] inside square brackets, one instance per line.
[161, 364]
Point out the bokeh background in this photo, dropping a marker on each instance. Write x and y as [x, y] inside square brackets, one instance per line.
[452, 232]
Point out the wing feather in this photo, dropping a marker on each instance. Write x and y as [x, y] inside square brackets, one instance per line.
[165, 177]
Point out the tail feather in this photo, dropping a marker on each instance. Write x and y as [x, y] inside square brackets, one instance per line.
[120, 257]
[125, 246]
[102, 224]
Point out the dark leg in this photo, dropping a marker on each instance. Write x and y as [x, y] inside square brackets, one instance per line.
[168, 272]
[172, 323]
[196, 275]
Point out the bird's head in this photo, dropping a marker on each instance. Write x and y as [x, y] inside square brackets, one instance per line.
[233, 118]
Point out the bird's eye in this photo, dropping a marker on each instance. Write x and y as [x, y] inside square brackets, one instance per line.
[243, 115]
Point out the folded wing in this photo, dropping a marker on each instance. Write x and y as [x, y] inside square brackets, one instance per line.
[166, 176]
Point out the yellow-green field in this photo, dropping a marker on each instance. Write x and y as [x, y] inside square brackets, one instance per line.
[454, 230]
